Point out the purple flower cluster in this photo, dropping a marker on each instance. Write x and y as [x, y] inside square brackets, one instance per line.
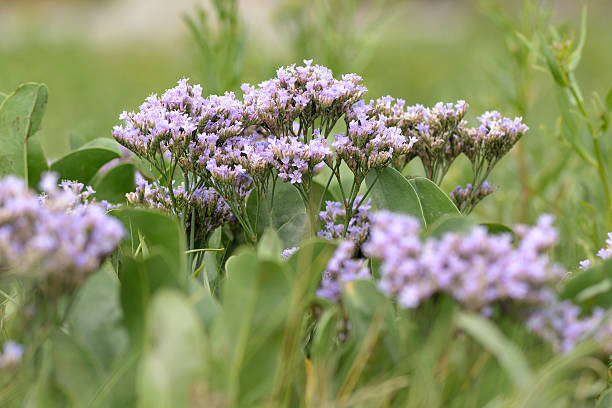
[563, 327]
[295, 161]
[477, 269]
[55, 237]
[334, 221]
[604, 253]
[302, 94]
[493, 138]
[343, 267]
[211, 211]
[12, 353]
[466, 198]
[369, 142]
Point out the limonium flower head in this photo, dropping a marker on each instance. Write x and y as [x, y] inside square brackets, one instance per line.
[477, 269]
[466, 198]
[493, 138]
[287, 252]
[300, 93]
[334, 220]
[211, 211]
[562, 325]
[55, 238]
[12, 353]
[437, 131]
[163, 124]
[343, 267]
[369, 143]
[297, 162]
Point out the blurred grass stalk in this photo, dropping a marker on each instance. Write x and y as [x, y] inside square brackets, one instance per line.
[560, 59]
[532, 17]
[220, 38]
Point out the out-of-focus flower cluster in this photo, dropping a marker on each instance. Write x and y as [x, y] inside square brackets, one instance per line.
[562, 325]
[476, 268]
[12, 353]
[59, 238]
[604, 253]
[344, 266]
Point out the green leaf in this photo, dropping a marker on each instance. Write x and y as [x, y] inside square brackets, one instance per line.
[591, 287]
[270, 246]
[37, 163]
[159, 230]
[247, 336]
[496, 229]
[553, 66]
[76, 373]
[609, 100]
[434, 202]
[393, 192]
[569, 128]
[605, 399]
[95, 318]
[20, 117]
[174, 362]
[507, 353]
[81, 165]
[140, 279]
[104, 143]
[113, 185]
[287, 215]
[2, 97]
[450, 223]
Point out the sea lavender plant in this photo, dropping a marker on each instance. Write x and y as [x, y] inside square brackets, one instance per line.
[337, 225]
[210, 210]
[465, 198]
[55, 238]
[562, 325]
[344, 266]
[477, 269]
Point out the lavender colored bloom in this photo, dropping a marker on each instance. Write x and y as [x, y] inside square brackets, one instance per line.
[466, 198]
[334, 218]
[57, 238]
[300, 92]
[297, 162]
[211, 211]
[562, 326]
[369, 143]
[288, 252]
[493, 138]
[12, 354]
[343, 267]
[477, 269]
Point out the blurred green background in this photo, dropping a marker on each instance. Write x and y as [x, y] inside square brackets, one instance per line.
[99, 58]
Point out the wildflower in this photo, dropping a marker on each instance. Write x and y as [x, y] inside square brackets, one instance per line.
[477, 269]
[466, 198]
[12, 354]
[562, 326]
[297, 162]
[304, 93]
[287, 252]
[334, 219]
[56, 238]
[343, 267]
